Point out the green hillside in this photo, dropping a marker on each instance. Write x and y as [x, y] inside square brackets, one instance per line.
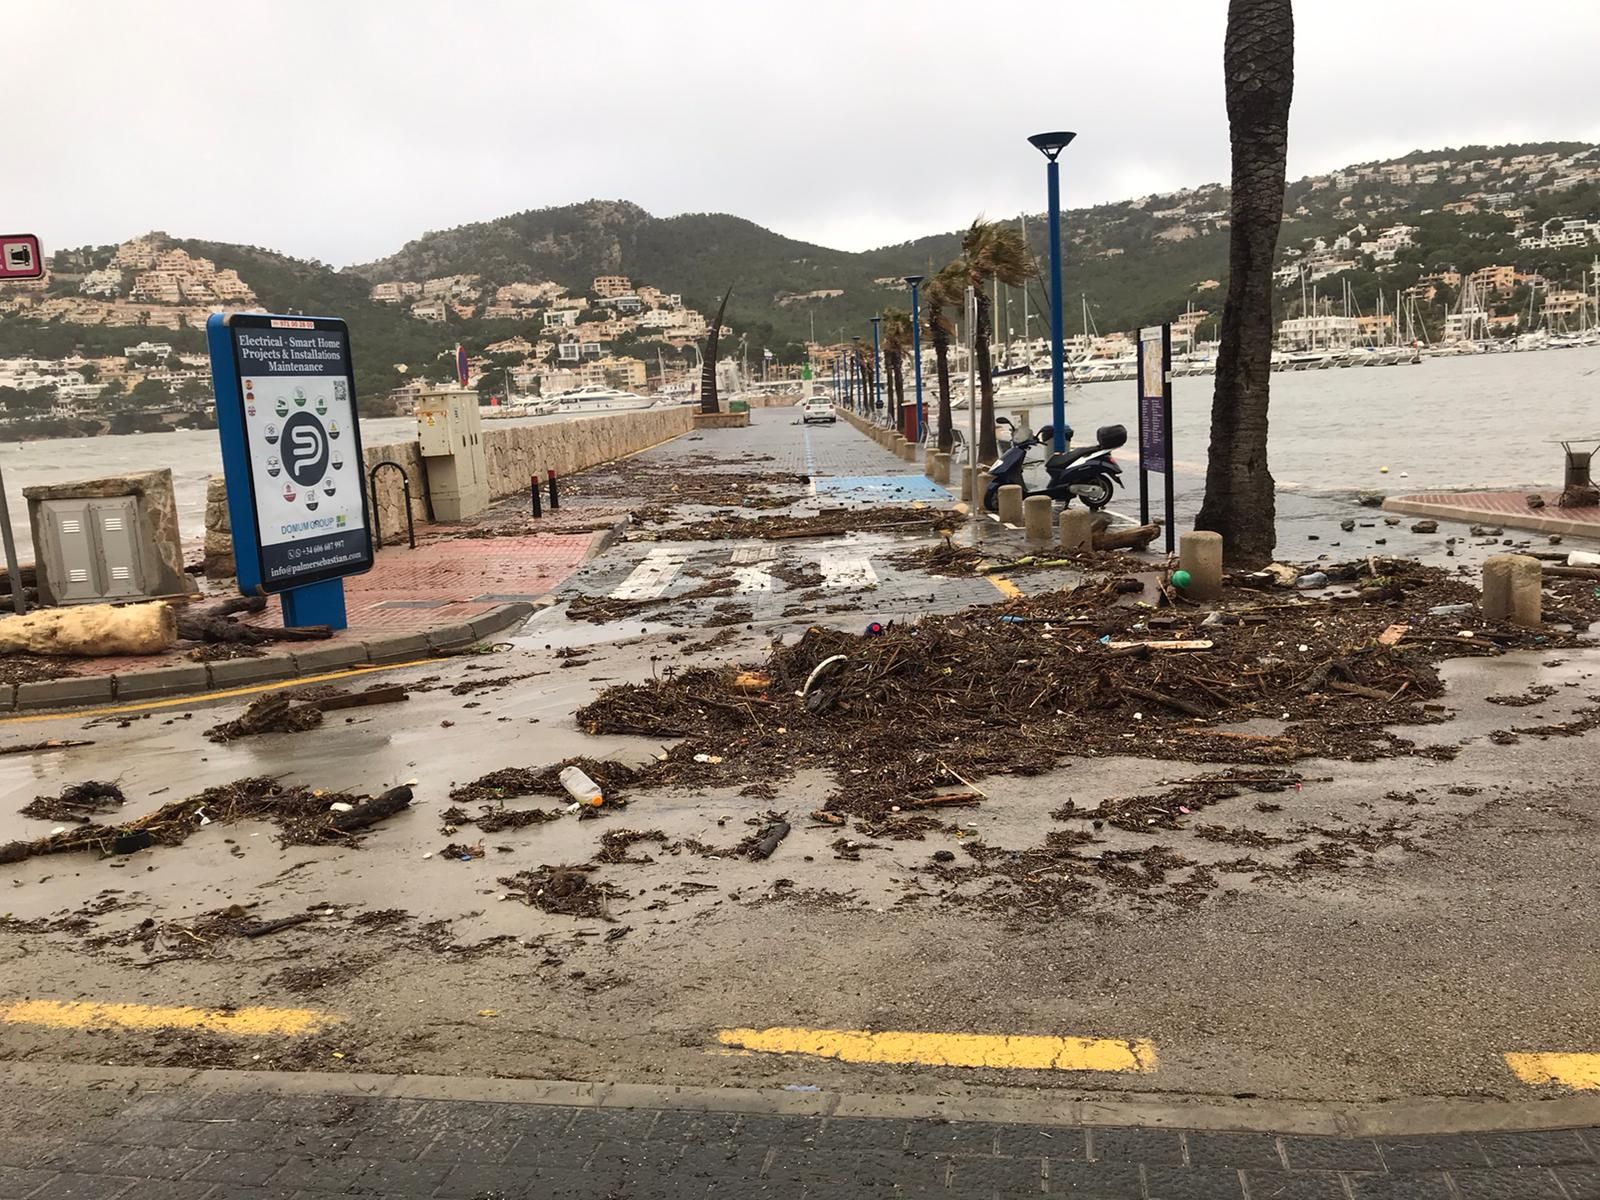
[1127, 263]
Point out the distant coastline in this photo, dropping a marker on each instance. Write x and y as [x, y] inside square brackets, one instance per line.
[34, 429]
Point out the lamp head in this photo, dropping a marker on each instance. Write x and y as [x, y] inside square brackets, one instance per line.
[1052, 144]
[913, 280]
[875, 320]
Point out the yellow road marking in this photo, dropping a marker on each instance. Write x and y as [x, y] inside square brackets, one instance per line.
[1580, 1071]
[1004, 586]
[953, 1049]
[83, 1014]
[201, 697]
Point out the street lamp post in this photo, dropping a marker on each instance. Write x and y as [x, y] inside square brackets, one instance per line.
[877, 370]
[1051, 145]
[916, 347]
[861, 372]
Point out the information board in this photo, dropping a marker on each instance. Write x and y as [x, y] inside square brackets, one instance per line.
[1154, 377]
[1154, 436]
[291, 449]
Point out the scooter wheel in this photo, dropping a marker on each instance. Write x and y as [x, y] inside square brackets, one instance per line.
[1097, 499]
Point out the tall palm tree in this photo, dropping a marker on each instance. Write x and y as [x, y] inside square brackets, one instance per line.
[944, 291]
[896, 331]
[991, 251]
[1258, 69]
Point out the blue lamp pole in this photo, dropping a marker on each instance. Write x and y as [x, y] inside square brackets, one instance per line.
[860, 371]
[916, 347]
[1051, 145]
[877, 370]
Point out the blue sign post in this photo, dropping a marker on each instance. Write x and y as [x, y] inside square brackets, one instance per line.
[291, 457]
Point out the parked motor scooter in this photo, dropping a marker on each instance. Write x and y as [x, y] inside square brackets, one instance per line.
[1089, 473]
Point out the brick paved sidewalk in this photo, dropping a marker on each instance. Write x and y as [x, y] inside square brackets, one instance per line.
[1510, 509]
[248, 1140]
[443, 582]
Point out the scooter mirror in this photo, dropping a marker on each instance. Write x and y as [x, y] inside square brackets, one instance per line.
[1046, 433]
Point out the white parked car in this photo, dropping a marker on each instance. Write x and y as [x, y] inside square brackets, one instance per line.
[818, 410]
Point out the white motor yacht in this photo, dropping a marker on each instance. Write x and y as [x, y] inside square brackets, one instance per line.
[598, 398]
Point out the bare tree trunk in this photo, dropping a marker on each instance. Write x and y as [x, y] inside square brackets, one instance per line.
[941, 358]
[1258, 62]
[708, 372]
[988, 448]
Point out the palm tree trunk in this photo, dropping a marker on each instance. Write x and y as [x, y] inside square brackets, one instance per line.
[988, 448]
[1258, 63]
[941, 359]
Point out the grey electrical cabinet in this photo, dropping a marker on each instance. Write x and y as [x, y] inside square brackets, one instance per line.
[450, 439]
[107, 539]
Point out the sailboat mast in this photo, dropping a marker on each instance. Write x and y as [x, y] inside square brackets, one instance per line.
[1027, 345]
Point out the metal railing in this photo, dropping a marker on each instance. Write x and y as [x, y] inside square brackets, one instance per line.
[405, 485]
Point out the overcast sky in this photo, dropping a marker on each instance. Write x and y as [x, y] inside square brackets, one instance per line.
[338, 129]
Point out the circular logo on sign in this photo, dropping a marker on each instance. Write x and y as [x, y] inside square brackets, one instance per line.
[273, 467]
[322, 407]
[299, 397]
[305, 449]
[281, 407]
[272, 435]
[327, 488]
[333, 429]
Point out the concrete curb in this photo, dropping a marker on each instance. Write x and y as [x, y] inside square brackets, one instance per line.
[1399, 1118]
[78, 691]
[1530, 521]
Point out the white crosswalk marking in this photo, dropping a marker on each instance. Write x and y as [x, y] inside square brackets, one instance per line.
[749, 570]
[842, 569]
[651, 577]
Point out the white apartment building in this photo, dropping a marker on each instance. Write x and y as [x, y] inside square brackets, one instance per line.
[101, 283]
[160, 349]
[564, 318]
[1320, 332]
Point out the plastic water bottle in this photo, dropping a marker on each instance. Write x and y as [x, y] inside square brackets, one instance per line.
[1315, 579]
[580, 787]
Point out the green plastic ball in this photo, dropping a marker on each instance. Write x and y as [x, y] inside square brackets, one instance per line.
[1180, 579]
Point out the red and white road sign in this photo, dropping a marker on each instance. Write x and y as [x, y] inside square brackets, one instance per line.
[20, 256]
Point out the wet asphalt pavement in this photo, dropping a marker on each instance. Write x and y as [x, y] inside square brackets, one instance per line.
[1410, 973]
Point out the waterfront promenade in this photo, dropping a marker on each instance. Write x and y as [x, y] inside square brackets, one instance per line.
[1155, 966]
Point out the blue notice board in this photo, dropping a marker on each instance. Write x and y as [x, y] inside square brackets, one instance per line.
[291, 456]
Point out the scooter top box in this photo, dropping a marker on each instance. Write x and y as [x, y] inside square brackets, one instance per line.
[1109, 437]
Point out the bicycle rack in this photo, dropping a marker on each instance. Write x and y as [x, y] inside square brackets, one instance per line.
[405, 485]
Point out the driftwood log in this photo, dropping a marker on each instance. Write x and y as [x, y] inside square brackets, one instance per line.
[385, 804]
[88, 630]
[1128, 537]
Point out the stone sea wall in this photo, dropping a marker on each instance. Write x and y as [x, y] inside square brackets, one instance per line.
[513, 456]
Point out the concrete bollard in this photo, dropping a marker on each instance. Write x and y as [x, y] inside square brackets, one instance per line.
[941, 468]
[1200, 554]
[908, 450]
[1036, 518]
[1077, 529]
[1011, 504]
[1511, 584]
[980, 488]
[927, 462]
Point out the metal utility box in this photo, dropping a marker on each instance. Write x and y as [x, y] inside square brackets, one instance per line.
[107, 539]
[450, 435]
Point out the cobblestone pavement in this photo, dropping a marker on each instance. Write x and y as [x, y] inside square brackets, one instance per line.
[193, 1143]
